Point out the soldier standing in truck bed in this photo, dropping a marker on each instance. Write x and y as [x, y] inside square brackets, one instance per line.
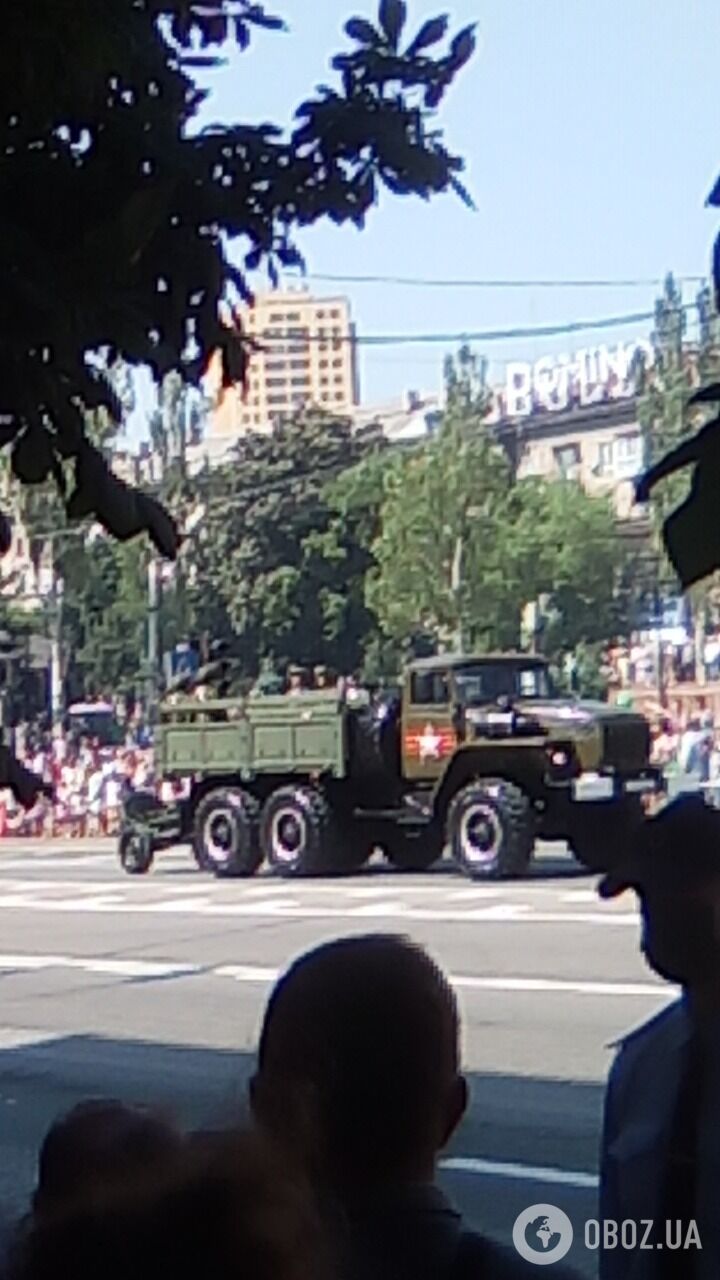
[296, 681]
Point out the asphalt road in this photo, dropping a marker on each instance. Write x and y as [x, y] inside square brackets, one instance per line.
[152, 989]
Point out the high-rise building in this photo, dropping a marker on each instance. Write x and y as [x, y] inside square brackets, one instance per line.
[306, 356]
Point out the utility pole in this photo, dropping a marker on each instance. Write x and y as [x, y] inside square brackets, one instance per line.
[456, 584]
[56, 658]
[153, 633]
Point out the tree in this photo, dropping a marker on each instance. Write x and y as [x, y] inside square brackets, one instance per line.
[281, 554]
[669, 415]
[116, 216]
[464, 547]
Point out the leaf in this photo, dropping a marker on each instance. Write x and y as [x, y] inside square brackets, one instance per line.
[161, 527]
[430, 33]
[269, 21]
[392, 15]
[362, 31]
[462, 48]
[32, 456]
[27, 787]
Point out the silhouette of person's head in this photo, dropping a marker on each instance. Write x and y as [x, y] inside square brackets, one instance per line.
[675, 871]
[220, 1207]
[358, 1063]
[98, 1144]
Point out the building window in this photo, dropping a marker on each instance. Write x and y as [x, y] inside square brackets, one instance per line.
[567, 459]
[324, 397]
[628, 454]
[299, 364]
[339, 395]
[335, 315]
[324, 380]
[276, 400]
[605, 458]
[337, 364]
[300, 382]
[275, 366]
[321, 315]
[337, 345]
[276, 382]
[324, 364]
[293, 317]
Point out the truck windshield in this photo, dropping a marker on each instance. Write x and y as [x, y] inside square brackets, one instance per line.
[487, 682]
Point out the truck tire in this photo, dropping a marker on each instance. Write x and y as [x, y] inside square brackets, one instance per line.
[412, 849]
[226, 839]
[601, 836]
[136, 853]
[491, 829]
[298, 834]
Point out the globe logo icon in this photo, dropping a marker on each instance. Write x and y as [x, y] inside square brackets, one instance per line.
[542, 1234]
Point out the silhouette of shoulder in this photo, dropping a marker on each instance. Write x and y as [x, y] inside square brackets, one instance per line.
[670, 1026]
[477, 1257]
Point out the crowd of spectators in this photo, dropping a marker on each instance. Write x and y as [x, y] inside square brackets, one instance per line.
[634, 665]
[88, 780]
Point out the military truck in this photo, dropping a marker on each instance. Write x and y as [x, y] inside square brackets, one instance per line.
[475, 755]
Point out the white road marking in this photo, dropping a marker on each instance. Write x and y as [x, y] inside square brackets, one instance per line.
[56, 862]
[248, 973]
[106, 903]
[114, 968]
[520, 1172]
[20, 1038]
[261, 974]
[562, 986]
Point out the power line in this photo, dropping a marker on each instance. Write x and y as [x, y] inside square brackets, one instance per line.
[481, 335]
[439, 283]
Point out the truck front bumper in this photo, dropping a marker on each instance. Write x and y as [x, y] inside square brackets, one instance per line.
[608, 786]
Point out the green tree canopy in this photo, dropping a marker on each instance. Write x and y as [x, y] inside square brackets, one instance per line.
[280, 556]
[117, 213]
[463, 547]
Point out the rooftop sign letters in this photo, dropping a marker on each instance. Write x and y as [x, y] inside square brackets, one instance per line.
[558, 382]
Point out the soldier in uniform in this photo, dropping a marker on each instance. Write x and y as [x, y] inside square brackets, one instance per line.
[296, 681]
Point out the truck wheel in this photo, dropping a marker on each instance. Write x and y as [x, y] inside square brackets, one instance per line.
[136, 852]
[226, 839]
[297, 832]
[602, 835]
[414, 850]
[491, 830]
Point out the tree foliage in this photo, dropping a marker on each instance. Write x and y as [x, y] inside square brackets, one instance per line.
[463, 547]
[279, 560]
[116, 213]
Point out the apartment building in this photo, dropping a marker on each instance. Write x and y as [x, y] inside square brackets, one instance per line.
[306, 355]
[599, 445]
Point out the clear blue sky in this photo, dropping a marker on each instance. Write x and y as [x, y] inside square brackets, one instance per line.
[590, 131]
